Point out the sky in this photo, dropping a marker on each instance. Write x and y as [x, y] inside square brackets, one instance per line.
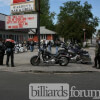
[55, 7]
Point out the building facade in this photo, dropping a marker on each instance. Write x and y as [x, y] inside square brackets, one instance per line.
[18, 35]
[45, 34]
[24, 34]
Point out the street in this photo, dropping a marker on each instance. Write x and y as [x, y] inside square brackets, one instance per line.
[15, 86]
[14, 82]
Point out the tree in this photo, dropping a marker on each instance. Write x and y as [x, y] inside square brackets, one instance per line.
[46, 18]
[73, 18]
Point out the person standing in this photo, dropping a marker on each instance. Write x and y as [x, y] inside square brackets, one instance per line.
[31, 46]
[57, 43]
[10, 51]
[44, 44]
[97, 54]
[2, 51]
[49, 46]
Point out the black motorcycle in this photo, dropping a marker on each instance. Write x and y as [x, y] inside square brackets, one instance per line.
[75, 54]
[45, 56]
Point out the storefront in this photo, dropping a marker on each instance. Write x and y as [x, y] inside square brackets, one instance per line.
[45, 34]
[22, 34]
[18, 35]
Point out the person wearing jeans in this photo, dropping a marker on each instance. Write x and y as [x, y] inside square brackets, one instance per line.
[32, 46]
[49, 46]
[57, 43]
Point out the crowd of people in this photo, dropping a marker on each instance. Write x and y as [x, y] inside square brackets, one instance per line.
[48, 45]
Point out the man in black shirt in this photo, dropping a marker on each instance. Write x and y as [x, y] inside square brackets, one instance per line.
[10, 51]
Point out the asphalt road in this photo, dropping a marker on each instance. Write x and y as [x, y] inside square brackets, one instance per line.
[15, 86]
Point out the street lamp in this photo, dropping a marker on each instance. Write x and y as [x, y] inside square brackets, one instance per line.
[84, 34]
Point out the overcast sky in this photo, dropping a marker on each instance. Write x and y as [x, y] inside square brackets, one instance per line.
[54, 6]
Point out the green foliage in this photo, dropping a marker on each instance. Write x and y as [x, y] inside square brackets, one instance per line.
[73, 18]
[46, 18]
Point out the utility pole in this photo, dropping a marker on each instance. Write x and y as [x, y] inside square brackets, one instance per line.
[38, 28]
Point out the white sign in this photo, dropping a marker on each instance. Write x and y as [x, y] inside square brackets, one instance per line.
[19, 6]
[47, 91]
[21, 21]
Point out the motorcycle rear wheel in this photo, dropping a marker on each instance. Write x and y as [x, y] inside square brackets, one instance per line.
[35, 61]
[64, 61]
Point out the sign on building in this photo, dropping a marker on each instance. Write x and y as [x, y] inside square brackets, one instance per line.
[21, 21]
[19, 6]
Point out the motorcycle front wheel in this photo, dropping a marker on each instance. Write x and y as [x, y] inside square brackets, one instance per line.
[35, 61]
[63, 61]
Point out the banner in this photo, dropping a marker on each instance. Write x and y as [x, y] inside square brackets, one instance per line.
[18, 1]
[19, 6]
[21, 21]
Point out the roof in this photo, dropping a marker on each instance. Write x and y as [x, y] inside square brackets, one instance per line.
[43, 30]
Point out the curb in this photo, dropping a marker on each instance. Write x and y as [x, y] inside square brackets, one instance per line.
[55, 72]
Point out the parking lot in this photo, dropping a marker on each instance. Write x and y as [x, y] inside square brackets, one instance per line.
[22, 63]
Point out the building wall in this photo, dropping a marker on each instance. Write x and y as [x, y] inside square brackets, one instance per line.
[42, 37]
[17, 36]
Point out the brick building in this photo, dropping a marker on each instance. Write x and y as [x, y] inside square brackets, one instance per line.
[45, 34]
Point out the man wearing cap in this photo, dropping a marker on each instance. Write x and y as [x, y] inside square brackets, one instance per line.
[10, 51]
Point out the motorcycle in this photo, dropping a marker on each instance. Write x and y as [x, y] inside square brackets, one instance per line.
[47, 57]
[75, 54]
[20, 49]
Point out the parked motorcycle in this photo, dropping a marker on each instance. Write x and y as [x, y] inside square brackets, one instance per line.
[20, 49]
[45, 56]
[76, 54]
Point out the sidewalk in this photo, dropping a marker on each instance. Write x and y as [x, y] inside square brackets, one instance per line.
[22, 62]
